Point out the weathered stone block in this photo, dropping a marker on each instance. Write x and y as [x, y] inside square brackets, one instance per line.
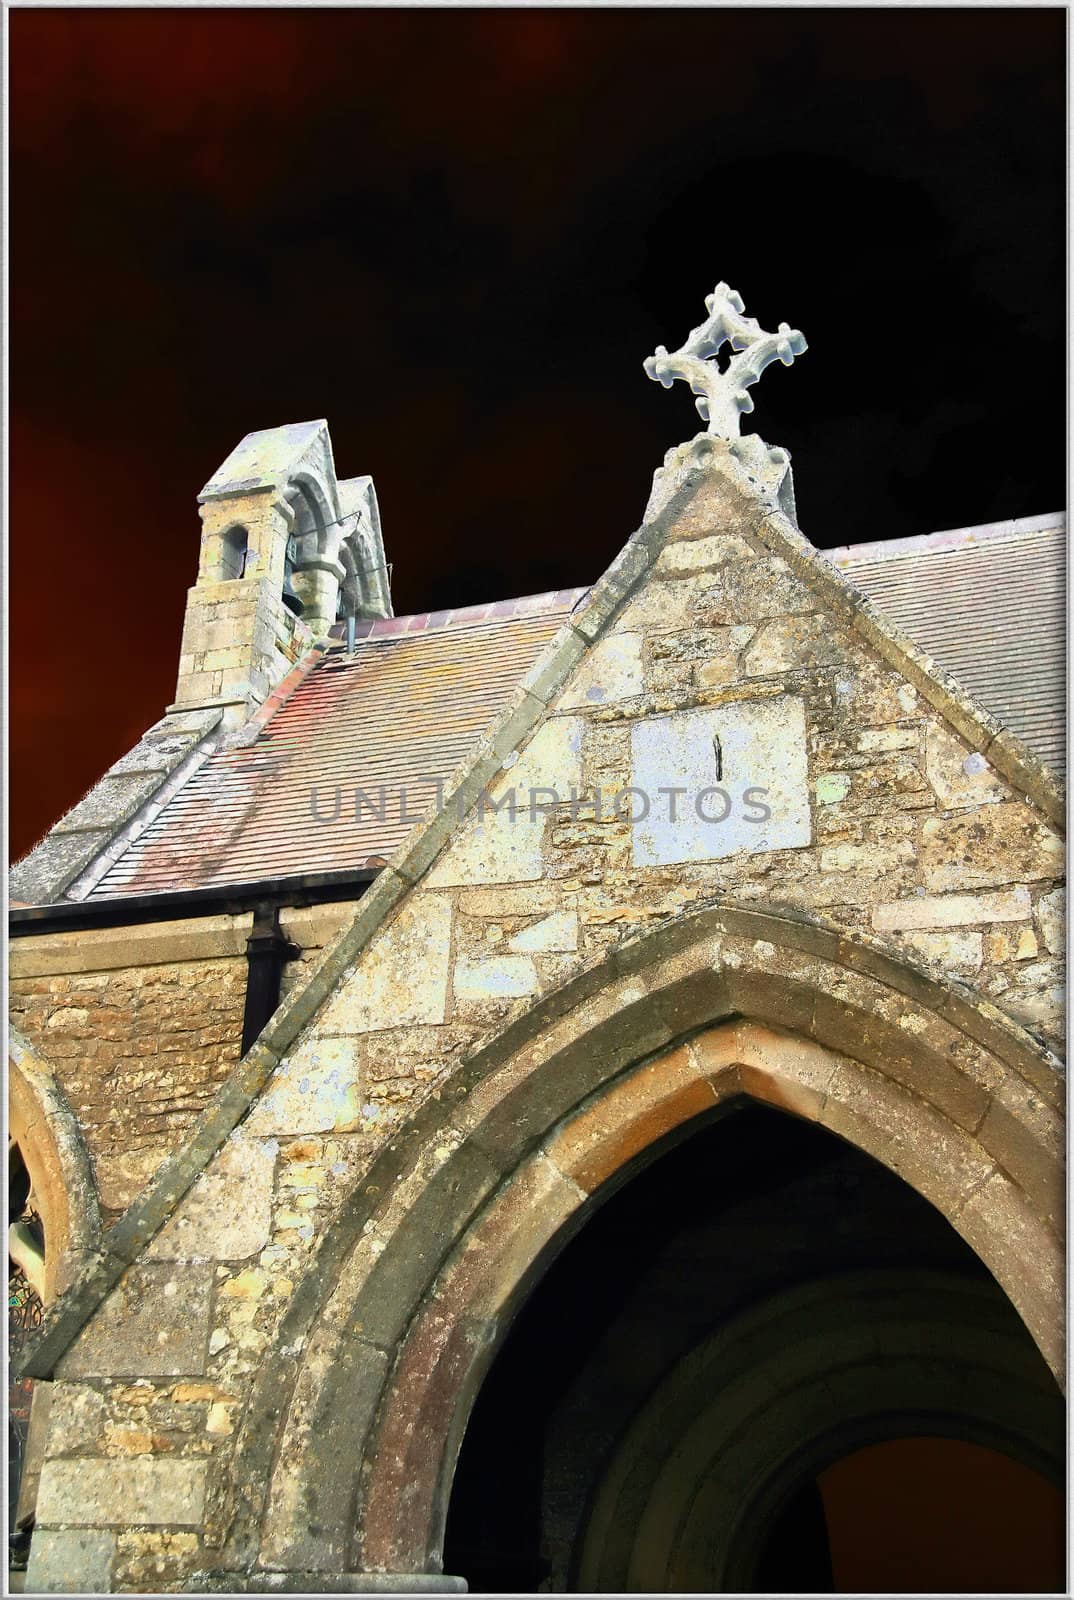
[94, 1493]
[312, 927]
[956, 952]
[776, 1069]
[402, 976]
[494, 978]
[790, 643]
[881, 741]
[951, 910]
[110, 802]
[146, 944]
[155, 1323]
[311, 1515]
[557, 932]
[77, 1418]
[53, 863]
[629, 1117]
[1051, 919]
[315, 1090]
[661, 606]
[1036, 1003]
[832, 787]
[510, 900]
[717, 672]
[504, 846]
[70, 1561]
[1000, 1224]
[871, 858]
[514, 1105]
[916, 1141]
[123, 1174]
[1002, 843]
[959, 776]
[611, 671]
[754, 591]
[227, 1215]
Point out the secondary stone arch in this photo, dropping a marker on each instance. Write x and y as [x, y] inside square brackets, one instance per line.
[787, 1387]
[360, 1409]
[44, 1127]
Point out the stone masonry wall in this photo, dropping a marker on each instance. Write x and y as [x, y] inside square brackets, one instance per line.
[239, 640]
[138, 1049]
[723, 670]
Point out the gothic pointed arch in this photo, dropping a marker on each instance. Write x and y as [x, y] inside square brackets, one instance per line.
[385, 1345]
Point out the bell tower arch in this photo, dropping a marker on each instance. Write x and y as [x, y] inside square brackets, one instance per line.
[286, 550]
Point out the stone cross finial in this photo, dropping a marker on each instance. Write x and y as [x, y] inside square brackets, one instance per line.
[722, 397]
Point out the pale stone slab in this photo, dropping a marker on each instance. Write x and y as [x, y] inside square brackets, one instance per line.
[832, 787]
[519, 900]
[315, 1090]
[959, 776]
[699, 555]
[402, 977]
[997, 844]
[957, 952]
[105, 949]
[494, 978]
[557, 932]
[78, 1416]
[665, 606]
[1051, 918]
[312, 927]
[70, 1561]
[788, 644]
[155, 1323]
[951, 910]
[498, 847]
[96, 1493]
[877, 741]
[610, 671]
[227, 1215]
[866, 857]
[761, 747]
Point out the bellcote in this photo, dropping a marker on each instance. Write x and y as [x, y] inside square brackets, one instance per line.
[287, 549]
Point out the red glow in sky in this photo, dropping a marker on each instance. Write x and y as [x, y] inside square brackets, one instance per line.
[456, 235]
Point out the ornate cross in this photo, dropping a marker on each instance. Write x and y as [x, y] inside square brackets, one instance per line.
[722, 397]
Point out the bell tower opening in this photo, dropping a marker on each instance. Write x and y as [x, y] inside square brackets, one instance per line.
[235, 547]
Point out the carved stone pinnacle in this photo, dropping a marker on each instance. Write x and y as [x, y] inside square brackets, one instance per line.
[722, 397]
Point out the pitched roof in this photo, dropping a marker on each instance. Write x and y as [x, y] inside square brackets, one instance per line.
[389, 720]
[403, 710]
[988, 605]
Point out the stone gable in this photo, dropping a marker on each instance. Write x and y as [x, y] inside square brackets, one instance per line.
[714, 729]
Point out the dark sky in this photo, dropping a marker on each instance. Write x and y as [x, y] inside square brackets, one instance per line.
[457, 234]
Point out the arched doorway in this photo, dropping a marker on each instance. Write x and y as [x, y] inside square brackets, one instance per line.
[348, 1447]
[691, 1398]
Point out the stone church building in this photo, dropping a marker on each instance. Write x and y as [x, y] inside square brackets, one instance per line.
[561, 1095]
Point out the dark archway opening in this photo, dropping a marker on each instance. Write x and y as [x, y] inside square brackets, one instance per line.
[749, 1205]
